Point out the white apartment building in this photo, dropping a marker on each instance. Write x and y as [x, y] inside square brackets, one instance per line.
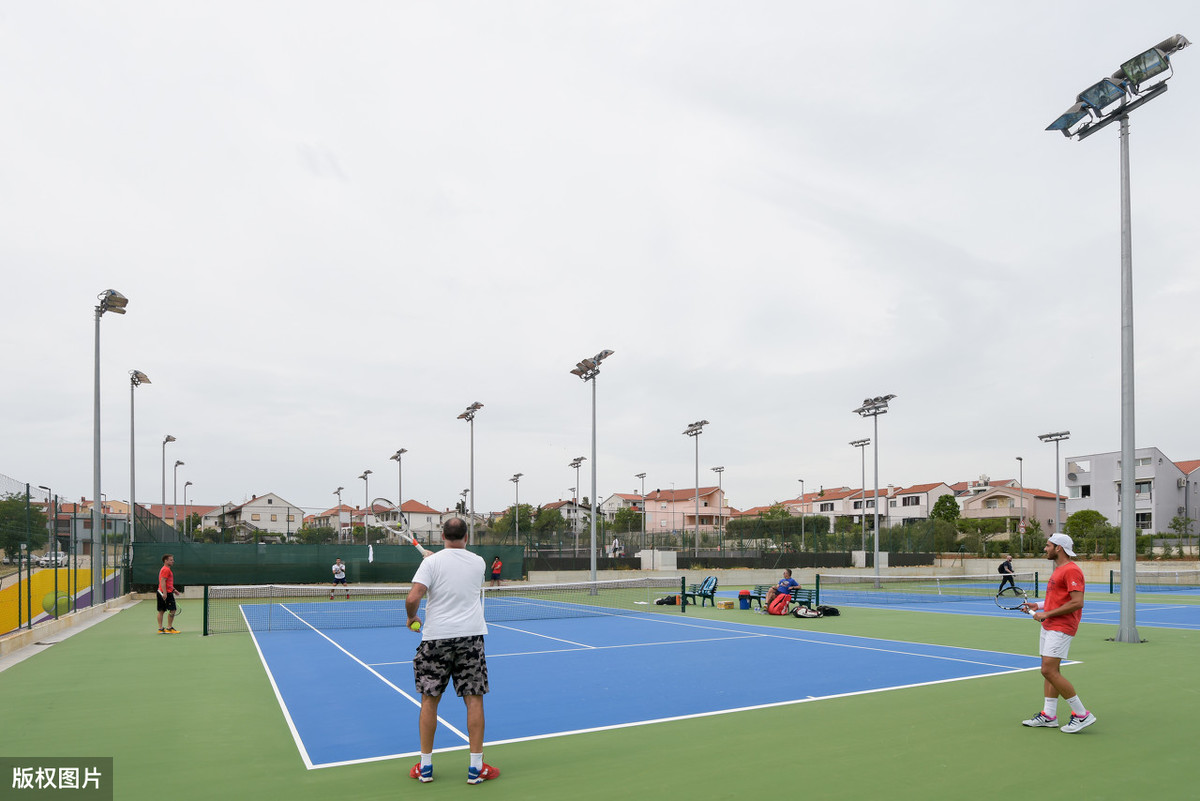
[1163, 488]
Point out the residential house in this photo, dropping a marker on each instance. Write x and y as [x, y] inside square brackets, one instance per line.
[1163, 489]
[675, 510]
[262, 514]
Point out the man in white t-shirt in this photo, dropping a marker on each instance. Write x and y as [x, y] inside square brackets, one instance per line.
[451, 644]
[339, 577]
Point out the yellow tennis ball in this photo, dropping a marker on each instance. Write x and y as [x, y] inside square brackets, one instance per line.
[415, 625]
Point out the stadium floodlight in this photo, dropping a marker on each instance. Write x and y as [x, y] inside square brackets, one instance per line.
[642, 476]
[516, 480]
[588, 369]
[186, 514]
[110, 301]
[862, 444]
[720, 505]
[163, 502]
[136, 378]
[469, 416]
[1056, 437]
[694, 430]
[873, 407]
[397, 456]
[576, 463]
[1143, 78]
[338, 493]
[175, 495]
[366, 480]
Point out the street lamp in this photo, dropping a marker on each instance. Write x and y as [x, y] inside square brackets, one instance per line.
[338, 493]
[587, 370]
[576, 462]
[720, 506]
[367, 505]
[469, 416]
[464, 495]
[873, 407]
[801, 514]
[175, 496]
[136, 377]
[163, 505]
[186, 484]
[516, 480]
[642, 476]
[862, 444]
[693, 430]
[1021, 484]
[1057, 437]
[110, 301]
[399, 485]
[1138, 81]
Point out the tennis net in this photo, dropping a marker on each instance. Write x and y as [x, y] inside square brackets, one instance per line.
[1157, 580]
[869, 589]
[278, 607]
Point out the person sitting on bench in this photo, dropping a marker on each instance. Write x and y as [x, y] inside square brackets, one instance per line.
[784, 587]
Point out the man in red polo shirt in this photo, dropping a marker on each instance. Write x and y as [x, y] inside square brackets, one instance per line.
[166, 595]
[1059, 616]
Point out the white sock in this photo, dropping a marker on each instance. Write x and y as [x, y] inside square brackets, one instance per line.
[477, 761]
[1050, 708]
[1077, 706]
[426, 759]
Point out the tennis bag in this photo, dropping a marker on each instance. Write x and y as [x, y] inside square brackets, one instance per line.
[805, 611]
[779, 604]
[670, 600]
[828, 611]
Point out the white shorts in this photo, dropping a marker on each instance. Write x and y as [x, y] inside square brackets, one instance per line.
[1055, 644]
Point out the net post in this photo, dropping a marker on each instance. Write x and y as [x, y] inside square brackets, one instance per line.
[204, 625]
[1112, 575]
[1036, 587]
[818, 588]
[683, 594]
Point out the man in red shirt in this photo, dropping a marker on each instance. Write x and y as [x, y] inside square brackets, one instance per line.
[1059, 616]
[166, 595]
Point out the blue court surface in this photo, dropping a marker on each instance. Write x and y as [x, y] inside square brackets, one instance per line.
[348, 694]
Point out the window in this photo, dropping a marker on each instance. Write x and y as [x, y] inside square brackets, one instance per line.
[269, 500]
[1142, 521]
[255, 516]
[291, 518]
[662, 506]
[991, 503]
[858, 504]
[274, 518]
[827, 507]
[871, 504]
[892, 504]
[911, 500]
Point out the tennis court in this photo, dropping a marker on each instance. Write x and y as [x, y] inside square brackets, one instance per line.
[588, 674]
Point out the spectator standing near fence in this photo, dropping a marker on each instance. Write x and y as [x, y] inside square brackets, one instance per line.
[451, 645]
[1059, 616]
[166, 595]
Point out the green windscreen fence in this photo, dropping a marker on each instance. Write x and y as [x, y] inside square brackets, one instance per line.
[210, 563]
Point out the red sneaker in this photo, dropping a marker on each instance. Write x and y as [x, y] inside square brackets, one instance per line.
[482, 774]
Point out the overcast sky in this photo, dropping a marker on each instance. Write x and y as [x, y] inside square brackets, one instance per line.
[338, 224]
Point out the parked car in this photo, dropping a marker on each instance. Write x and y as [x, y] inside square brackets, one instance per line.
[59, 559]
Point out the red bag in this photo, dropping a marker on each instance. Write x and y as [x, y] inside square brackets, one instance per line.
[779, 604]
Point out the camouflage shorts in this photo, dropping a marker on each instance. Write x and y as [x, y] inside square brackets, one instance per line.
[460, 658]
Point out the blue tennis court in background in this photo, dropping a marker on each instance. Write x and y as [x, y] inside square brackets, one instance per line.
[348, 695]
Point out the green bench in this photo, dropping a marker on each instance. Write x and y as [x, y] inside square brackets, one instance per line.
[800, 595]
[705, 590]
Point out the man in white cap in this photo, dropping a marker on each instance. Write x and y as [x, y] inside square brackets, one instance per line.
[1059, 615]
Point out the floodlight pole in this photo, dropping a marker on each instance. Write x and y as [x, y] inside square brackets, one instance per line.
[1138, 81]
[873, 407]
[587, 370]
[397, 456]
[136, 377]
[720, 506]
[1021, 528]
[694, 430]
[469, 416]
[801, 514]
[1057, 437]
[110, 301]
[516, 480]
[862, 444]
[642, 476]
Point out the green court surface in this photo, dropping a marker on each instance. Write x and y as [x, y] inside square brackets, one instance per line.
[190, 717]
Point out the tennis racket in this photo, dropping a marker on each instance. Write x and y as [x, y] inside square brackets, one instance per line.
[1012, 598]
[411, 539]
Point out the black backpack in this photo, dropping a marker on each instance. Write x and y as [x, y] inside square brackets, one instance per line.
[828, 611]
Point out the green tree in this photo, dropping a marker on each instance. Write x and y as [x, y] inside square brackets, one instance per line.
[776, 512]
[504, 524]
[1092, 532]
[627, 519]
[16, 528]
[549, 520]
[1181, 527]
[945, 508]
